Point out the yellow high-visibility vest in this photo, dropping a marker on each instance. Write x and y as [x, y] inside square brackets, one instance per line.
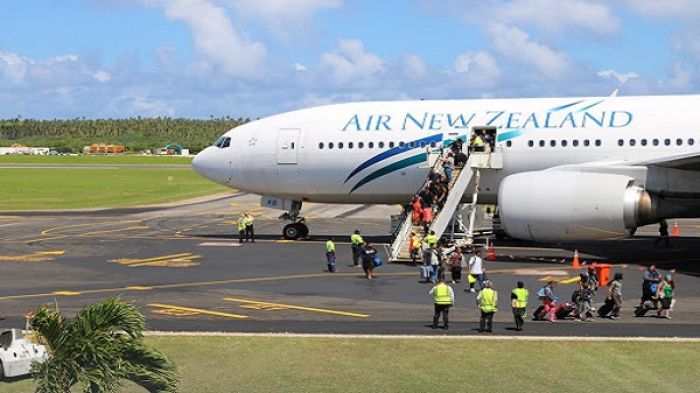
[249, 220]
[488, 300]
[330, 247]
[430, 240]
[356, 239]
[241, 224]
[521, 297]
[441, 294]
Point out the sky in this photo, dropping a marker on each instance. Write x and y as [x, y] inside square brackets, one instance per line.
[253, 58]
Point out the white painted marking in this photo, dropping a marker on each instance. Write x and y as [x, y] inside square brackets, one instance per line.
[219, 244]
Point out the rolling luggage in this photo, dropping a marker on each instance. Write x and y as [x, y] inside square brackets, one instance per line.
[424, 273]
[378, 262]
[606, 308]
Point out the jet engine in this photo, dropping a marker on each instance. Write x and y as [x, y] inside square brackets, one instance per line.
[566, 206]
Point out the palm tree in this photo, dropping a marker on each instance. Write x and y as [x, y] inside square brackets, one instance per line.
[97, 349]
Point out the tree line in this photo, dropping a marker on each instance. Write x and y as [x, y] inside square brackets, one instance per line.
[135, 133]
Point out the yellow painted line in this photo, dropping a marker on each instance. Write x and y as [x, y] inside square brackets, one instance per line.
[139, 288]
[47, 231]
[40, 256]
[66, 293]
[570, 280]
[134, 228]
[171, 256]
[294, 307]
[51, 252]
[198, 310]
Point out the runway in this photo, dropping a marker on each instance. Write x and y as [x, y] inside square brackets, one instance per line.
[183, 267]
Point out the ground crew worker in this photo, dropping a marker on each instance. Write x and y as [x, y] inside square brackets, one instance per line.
[249, 230]
[443, 298]
[330, 255]
[487, 300]
[414, 247]
[356, 243]
[477, 142]
[518, 300]
[241, 229]
[431, 239]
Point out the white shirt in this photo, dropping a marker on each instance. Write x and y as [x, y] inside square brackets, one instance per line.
[476, 265]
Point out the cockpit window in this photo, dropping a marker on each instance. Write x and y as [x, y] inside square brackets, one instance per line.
[223, 142]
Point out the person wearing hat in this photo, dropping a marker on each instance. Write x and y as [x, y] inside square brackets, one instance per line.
[666, 295]
[356, 242]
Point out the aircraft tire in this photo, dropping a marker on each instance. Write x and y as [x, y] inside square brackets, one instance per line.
[303, 230]
[291, 232]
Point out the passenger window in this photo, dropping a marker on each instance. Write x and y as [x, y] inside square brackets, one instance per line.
[320, 145]
[530, 143]
[667, 142]
[350, 145]
[620, 142]
[575, 142]
[509, 143]
[340, 145]
[643, 142]
[586, 142]
[391, 144]
[412, 145]
[292, 145]
[422, 144]
[679, 141]
[552, 143]
[360, 145]
[598, 142]
[541, 143]
[330, 145]
[433, 144]
[402, 144]
[381, 145]
[564, 143]
[691, 142]
[656, 142]
[633, 142]
[369, 145]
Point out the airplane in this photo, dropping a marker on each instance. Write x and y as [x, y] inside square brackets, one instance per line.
[587, 168]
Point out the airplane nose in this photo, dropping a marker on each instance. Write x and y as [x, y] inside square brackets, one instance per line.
[202, 163]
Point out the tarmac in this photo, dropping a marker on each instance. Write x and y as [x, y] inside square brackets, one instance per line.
[182, 265]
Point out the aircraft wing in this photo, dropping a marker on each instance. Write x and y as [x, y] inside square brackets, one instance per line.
[688, 162]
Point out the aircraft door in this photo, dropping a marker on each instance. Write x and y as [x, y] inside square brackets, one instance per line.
[287, 146]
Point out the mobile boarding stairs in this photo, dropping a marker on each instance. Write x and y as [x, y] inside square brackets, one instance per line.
[449, 218]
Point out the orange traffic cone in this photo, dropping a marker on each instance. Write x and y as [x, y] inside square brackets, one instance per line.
[492, 253]
[576, 264]
[676, 231]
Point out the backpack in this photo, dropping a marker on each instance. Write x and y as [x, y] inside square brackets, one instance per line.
[542, 292]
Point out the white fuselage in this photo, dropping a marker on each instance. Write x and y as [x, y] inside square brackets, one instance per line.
[289, 155]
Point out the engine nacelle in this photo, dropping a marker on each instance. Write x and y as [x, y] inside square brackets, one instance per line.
[566, 206]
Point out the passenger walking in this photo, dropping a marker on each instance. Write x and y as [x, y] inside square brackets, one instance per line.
[249, 230]
[356, 243]
[454, 263]
[549, 302]
[582, 299]
[414, 247]
[487, 300]
[650, 286]
[416, 208]
[241, 229]
[666, 295]
[330, 255]
[448, 165]
[476, 269]
[431, 239]
[615, 296]
[368, 255]
[443, 299]
[434, 260]
[518, 301]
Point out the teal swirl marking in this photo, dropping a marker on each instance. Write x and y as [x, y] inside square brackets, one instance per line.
[406, 162]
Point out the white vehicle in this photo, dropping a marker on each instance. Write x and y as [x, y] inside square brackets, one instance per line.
[572, 168]
[17, 353]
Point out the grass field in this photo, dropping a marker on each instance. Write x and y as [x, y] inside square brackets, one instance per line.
[73, 188]
[281, 364]
[95, 160]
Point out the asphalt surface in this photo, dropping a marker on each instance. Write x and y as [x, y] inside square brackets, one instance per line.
[182, 265]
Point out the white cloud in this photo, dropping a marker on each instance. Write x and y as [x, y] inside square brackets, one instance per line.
[13, 68]
[278, 14]
[215, 37]
[684, 9]
[349, 62]
[620, 77]
[515, 45]
[477, 69]
[300, 67]
[552, 17]
[415, 67]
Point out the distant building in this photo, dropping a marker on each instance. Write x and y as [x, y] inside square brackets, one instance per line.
[173, 149]
[101, 148]
[24, 150]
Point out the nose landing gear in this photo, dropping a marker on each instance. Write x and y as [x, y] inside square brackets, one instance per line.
[296, 228]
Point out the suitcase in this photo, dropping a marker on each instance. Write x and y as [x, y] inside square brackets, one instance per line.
[378, 262]
[642, 310]
[424, 273]
[606, 308]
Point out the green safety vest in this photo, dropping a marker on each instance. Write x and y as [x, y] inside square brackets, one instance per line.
[488, 300]
[241, 224]
[478, 142]
[249, 220]
[431, 239]
[522, 296]
[441, 294]
[330, 247]
[356, 239]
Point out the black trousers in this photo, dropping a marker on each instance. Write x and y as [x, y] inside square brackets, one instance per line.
[250, 233]
[241, 236]
[443, 309]
[486, 322]
[355, 254]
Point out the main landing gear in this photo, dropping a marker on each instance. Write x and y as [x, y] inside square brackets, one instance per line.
[296, 227]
